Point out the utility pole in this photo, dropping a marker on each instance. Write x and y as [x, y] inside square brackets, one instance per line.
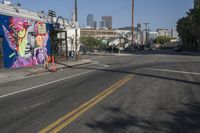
[132, 41]
[76, 19]
[76, 11]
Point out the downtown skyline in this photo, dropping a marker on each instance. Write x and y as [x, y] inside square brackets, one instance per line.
[161, 14]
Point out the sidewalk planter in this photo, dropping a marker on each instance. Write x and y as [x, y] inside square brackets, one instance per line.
[25, 42]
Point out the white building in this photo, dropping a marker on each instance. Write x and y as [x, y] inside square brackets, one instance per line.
[163, 32]
[153, 35]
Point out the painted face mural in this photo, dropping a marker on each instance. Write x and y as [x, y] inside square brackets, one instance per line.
[28, 40]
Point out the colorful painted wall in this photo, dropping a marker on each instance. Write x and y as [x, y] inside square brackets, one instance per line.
[25, 42]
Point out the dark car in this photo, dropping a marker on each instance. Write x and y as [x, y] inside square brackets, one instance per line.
[178, 49]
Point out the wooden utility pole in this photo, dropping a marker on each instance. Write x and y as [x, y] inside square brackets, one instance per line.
[132, 41]
[76, 19]
[76, 11]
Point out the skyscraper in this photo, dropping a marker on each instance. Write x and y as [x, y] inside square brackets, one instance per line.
[101, 24]
[108, 21]
[95, 24]
[90, 20]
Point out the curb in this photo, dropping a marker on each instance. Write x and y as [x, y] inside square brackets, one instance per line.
[70, 66]
[57, 69]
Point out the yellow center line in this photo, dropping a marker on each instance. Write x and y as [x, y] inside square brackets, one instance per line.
[73, 115]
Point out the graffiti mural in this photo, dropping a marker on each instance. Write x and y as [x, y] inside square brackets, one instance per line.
[27, 40]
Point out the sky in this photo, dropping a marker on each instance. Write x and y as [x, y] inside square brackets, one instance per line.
[159, 13]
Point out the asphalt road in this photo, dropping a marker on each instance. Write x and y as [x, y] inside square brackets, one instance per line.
[144, 93]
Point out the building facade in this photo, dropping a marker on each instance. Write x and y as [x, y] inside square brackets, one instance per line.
[90, 20]
[163, 32]
[101, 24]
[1, 53]
[95, 25]
[108, 21]
[25, 36]
[98, 33]
[153, 35]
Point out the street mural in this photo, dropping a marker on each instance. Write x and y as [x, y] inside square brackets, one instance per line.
[27, 40]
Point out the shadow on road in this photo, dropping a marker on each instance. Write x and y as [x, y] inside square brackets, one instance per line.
[169, 52]
[140, 74]
[186, 120]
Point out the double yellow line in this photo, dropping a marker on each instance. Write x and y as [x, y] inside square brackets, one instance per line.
[62, 122]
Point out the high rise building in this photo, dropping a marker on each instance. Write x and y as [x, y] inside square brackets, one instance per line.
[95, 24]
[101, 24]
[90, 20]
[196, 3]
[108, 21]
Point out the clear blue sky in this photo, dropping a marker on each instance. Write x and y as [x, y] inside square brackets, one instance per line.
[160, 13]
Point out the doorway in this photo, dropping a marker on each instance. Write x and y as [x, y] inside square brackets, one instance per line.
[59, 44]
[1, 53]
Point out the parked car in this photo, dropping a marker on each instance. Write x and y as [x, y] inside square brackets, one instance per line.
[178, 49]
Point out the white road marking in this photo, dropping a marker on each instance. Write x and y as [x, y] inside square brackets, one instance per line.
[25, 77]
[36, 105]
[34, 87]
[45, 84]
[173, 71]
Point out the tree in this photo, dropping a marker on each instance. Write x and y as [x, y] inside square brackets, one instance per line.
[162, 40]
[189, 28]
[92, 43]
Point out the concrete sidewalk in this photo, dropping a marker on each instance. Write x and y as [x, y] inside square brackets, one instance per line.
[7, 75]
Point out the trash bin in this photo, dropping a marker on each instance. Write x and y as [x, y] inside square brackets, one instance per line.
[71, 54]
